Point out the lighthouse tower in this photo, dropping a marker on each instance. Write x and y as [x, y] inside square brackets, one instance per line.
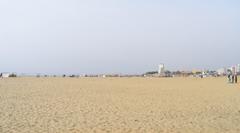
[161, 69]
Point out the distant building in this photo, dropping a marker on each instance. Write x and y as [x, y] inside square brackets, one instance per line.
[182, 74]
[196, 72]
[161, 69]
[5, 75]
[222, 71]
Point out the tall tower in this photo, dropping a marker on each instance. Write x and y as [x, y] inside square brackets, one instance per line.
[161, 69]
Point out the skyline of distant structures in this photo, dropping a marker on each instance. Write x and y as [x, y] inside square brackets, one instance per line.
[161, 72]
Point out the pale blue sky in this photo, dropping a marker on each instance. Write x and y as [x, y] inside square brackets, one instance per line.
[117, 36]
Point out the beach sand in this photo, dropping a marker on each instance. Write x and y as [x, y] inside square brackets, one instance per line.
[142, 105]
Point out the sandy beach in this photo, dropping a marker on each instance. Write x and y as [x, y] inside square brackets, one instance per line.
[73, 105]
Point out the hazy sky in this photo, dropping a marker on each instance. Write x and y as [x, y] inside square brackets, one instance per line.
[117, 36]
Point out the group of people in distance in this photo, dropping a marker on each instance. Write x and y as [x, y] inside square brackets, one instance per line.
[232, 78]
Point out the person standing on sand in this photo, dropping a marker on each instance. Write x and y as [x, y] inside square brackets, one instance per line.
[232, 78]
[236, 78]
[229, 78]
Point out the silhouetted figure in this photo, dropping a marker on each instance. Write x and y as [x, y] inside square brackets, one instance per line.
[233, 78]
[236, 78]
[229, 78]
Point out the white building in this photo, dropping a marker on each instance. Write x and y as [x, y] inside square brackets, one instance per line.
[222, 71]
[161, 69]
[5, 75]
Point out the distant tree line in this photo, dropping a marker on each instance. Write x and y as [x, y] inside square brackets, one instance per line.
[151, 72]
[13, 75]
